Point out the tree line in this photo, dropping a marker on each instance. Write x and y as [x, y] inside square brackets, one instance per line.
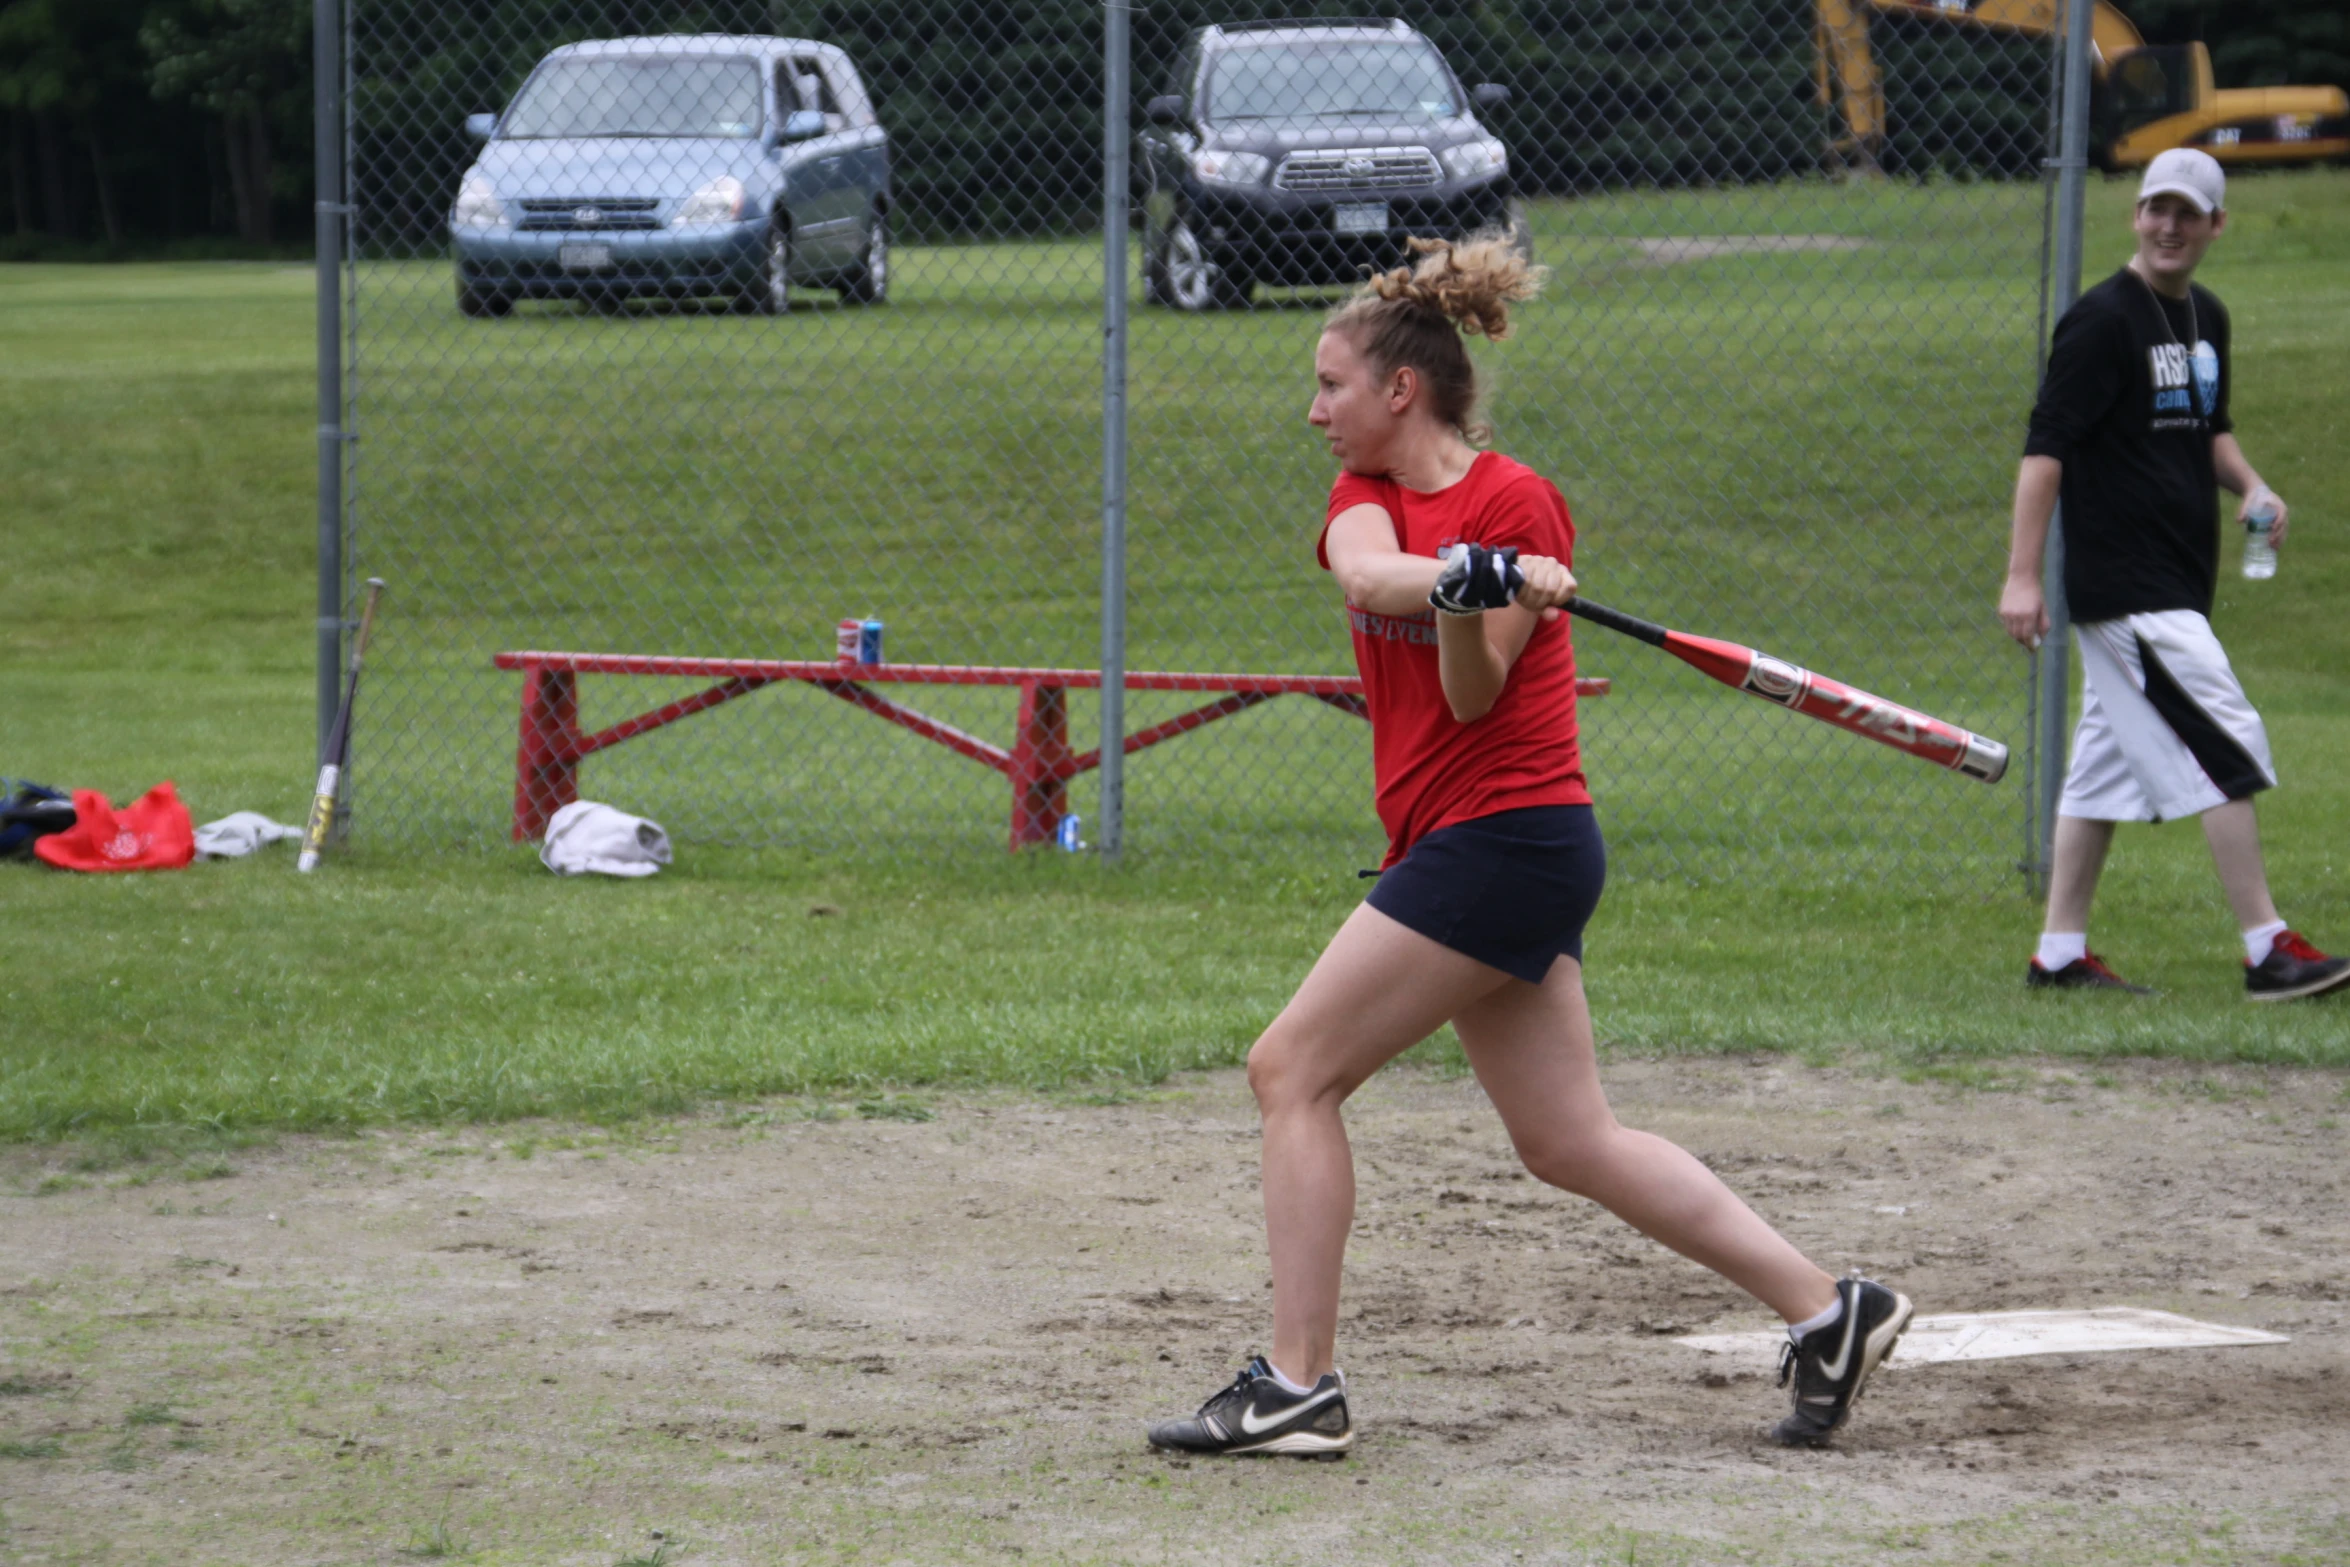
[137, 121]
[137, 124]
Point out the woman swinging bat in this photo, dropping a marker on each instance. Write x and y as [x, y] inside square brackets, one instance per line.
[1494, 864]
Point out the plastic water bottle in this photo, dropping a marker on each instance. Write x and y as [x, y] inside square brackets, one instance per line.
[2260, 556]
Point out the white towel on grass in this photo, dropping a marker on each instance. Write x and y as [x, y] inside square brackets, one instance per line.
[238, 834]
[586, 837]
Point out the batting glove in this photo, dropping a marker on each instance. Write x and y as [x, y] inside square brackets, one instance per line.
[1475, 579]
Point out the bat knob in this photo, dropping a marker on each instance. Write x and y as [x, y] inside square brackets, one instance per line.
[1981, 758]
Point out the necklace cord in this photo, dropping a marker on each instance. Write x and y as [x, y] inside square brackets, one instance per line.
[2194, 327]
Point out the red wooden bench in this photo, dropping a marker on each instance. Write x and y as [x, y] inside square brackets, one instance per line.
[1039, 764]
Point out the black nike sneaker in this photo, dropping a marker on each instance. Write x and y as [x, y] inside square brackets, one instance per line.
[2294, 968]
[2087, 972]
[1829, 1366]
[1256, 1414]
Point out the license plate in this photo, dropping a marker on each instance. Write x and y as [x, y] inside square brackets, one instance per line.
[584, 258]
[1360, 217]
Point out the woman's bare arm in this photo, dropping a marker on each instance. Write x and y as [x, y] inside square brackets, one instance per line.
[1474, 656]
[1372, 567]
[1474, 652]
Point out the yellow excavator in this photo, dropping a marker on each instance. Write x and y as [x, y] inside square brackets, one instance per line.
[2145, 99]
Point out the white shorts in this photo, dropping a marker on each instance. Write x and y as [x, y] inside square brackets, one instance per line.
[2165, 729]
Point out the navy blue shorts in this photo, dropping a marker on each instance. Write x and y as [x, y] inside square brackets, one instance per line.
[1512, 890]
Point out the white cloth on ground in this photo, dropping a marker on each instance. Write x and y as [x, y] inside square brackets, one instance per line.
[238, 834]
[586, 837]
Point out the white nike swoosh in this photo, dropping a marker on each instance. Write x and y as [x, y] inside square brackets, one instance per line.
[1835, 1368]
[1251, 1426]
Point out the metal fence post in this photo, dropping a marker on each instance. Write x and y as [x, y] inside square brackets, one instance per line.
[1115, 202]
[326, 59]
[2053, 666]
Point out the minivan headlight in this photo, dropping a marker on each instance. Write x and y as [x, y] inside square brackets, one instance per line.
[1474, 160]
[1219, 167]
[720, 201]
[477, 205]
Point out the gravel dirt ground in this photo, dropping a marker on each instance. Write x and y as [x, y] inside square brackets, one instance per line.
[795, 1332]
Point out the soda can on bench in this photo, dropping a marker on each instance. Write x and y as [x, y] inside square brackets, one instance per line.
[857, 642]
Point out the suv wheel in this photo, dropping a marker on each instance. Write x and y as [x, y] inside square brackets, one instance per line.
[869, 284]
[1188, 279]
[770, 293]
[473, 301]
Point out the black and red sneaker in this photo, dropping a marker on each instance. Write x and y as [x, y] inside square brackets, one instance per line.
[2086, 972]
[2294, 968]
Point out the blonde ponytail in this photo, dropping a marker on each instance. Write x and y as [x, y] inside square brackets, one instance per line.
[1417, 313]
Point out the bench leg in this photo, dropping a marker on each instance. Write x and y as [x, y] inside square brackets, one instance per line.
[546, 763]
[1040, 757]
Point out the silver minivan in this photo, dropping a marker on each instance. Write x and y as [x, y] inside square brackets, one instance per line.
[676, 167]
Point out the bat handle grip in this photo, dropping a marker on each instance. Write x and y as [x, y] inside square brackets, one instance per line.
[1616, 620]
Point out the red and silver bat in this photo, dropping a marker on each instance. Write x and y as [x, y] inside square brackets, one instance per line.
[1814, 696]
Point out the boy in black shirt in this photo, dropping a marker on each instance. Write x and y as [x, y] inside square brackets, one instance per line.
[2132, 428]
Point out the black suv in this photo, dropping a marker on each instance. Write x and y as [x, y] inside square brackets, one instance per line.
[1305, 152]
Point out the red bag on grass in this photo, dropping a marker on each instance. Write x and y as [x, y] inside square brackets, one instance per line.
[152, 834]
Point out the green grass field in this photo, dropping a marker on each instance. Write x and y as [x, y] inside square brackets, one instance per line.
[1804, 448]
[1743, 451]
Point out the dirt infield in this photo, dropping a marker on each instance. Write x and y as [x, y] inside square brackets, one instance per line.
[772, 1337]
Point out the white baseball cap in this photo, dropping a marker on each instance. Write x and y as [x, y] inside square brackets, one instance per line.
[2183, 171]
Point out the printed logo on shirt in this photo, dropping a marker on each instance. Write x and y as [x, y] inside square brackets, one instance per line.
[1416, 630]
[2206, 360]
[2181, 380]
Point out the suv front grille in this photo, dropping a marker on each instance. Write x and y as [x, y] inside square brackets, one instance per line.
[1357, 168]
[630, 212]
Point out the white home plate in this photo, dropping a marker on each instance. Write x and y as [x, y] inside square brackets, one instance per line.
[2006, 1335]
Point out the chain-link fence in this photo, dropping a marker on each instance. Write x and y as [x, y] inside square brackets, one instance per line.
[722, 323]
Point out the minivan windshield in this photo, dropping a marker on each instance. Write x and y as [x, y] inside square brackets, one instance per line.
[667, 95]
[1292, 81]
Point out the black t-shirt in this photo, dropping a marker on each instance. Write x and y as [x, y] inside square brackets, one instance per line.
[2137, 386]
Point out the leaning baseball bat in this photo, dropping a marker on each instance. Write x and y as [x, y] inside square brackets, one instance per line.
[1814, 696]
[338, 743]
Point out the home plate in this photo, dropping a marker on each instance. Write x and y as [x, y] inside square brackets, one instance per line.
[2006, 1335]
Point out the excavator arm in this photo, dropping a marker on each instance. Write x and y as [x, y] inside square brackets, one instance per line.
[1845, 70]
[1850, 83]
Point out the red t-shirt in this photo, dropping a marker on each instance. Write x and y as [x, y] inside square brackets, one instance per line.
[1431, 769]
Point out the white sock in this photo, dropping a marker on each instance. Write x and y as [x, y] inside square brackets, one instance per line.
[1827, 1318]
[1287, 1386]
[2259, 940]
[2058, 948]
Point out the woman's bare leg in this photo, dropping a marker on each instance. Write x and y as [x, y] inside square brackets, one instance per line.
[1377, 990]
[1532, 1050]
